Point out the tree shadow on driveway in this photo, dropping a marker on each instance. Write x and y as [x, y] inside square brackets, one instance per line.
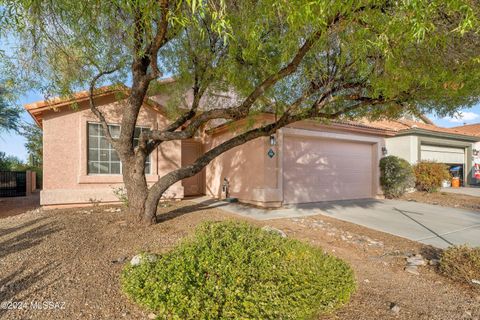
[406, 214]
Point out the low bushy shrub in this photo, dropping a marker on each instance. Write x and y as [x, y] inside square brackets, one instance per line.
[461, 263]
[430, 175]
[233, 270]
[396, 176]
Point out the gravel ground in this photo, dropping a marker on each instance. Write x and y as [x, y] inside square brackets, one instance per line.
[445, 199]
[68, 258]
[16, 205]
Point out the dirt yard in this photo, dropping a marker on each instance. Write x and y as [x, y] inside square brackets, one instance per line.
[445, 199]
[16, 205]
[71, 260]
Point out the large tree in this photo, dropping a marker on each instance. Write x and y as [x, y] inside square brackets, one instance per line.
[9, 114]
[299, 59]
[34, 144]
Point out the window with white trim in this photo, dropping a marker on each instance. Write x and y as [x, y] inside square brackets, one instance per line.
[102, 157]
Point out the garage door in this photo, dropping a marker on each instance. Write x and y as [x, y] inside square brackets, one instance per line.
[324, 169]
[442, 154]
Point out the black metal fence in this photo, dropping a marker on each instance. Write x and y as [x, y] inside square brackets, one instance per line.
[13, 183]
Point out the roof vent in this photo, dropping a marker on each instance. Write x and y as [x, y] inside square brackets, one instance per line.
[414, 126]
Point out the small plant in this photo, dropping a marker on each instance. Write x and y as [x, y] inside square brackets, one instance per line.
[94, 202]
[396, 176]
[121, 195]
[461, 263]
[232, 270]
[430, 175]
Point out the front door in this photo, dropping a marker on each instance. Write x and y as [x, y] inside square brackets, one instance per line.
[192, 186]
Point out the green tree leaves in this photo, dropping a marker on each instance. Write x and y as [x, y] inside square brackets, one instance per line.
[9, 114]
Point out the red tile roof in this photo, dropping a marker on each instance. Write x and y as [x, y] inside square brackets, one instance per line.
[471, 129]
[405, 124]
[36, 109]
[389, 127]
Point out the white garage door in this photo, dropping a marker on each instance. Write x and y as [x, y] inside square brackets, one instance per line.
[442, 154]
[325, 169]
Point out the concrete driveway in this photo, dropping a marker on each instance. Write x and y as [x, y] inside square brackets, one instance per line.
[429, 224]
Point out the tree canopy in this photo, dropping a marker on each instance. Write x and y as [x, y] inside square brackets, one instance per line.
[11, 163]
[9, 114]
[34, 143]
[326, 60]
[405, 49]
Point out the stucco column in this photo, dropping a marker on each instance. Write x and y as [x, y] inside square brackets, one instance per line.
[28, 184]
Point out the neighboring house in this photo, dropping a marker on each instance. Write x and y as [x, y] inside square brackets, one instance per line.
[417, 140]
[474, 130]
[304, 162]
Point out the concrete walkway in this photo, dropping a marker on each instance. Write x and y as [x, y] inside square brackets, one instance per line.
[429, 224]
[475, 192]
[16, 205]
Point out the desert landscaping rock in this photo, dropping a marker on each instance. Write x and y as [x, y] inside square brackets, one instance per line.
[136, 260]
[394, 308]
[119, 260]
[77, 251]
[142, 258]
[274, 230]
[434, 262]
[343, 235]
[412, 270]
[416, 260]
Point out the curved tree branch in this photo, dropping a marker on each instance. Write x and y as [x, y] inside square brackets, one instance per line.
[94, 108]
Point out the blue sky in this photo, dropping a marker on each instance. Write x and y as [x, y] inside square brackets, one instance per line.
[14, 144]
[468, 116]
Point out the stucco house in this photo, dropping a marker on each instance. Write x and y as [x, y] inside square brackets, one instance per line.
[474, 130]
[304, 162]
[422, 140]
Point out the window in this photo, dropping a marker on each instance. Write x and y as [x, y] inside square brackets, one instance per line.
[136, 138]
[102, 157]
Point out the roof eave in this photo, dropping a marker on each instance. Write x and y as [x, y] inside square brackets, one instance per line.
[437, 134]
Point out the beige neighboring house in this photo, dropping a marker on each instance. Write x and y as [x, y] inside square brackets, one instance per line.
[474, 130]
[423, 141]
[304, 162]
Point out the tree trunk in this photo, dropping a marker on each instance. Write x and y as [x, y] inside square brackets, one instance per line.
[156, 192]
[158, 189]
[151, 204]
[137, 190]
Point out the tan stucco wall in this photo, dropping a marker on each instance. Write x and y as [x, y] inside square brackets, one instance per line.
[65, 178]
[405, 147]
[475, 160]
[245, 167]
[256, 178]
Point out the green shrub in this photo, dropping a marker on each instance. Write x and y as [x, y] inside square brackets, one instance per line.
[121, 194]
[396, 176]
[430, 175]
[461, 263]
[237, 271]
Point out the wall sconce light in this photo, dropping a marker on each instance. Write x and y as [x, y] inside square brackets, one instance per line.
[273, 140]
[384, 151]
[475, 152]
